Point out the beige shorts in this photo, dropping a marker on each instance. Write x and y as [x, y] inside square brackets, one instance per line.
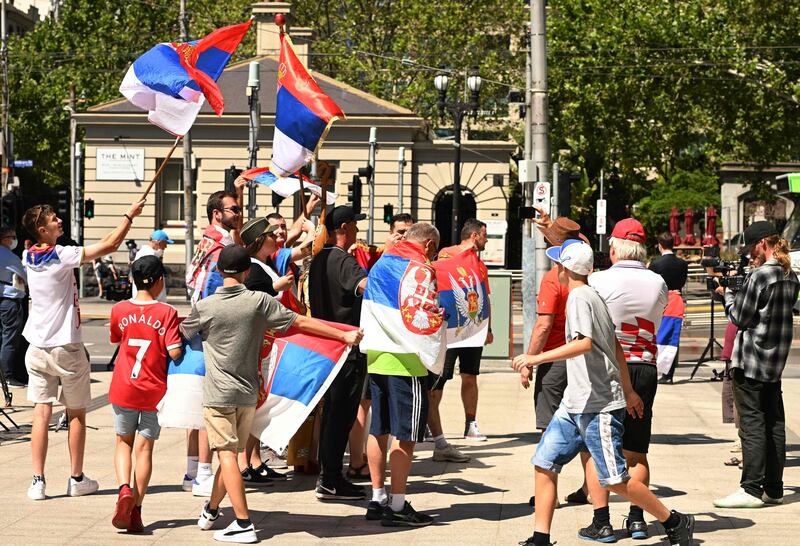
[228, 428]
[67, 365]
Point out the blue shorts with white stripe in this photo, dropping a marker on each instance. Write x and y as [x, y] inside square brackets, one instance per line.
[399, 406]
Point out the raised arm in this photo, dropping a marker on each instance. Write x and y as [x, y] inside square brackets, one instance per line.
[297, 227]
[110, 243]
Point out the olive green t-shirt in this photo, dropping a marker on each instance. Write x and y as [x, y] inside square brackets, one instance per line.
[405, 364]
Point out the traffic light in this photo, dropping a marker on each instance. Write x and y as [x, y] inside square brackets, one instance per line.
[63, 204]
[388, 213]
[366, 173]
[231, 174]
[276, 199]
[8, 216]
[88, 208]
[354, 193]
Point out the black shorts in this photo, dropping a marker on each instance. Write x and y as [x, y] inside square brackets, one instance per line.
[644, 380]
[548, 390]
[366, 393]
[469, 362]
[399, 406]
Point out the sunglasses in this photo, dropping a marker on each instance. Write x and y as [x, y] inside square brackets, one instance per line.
[234, 209]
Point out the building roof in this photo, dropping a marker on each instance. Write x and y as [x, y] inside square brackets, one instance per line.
[233, 82]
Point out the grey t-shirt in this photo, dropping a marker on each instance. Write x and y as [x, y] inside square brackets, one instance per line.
[593, 384]
[232, 323]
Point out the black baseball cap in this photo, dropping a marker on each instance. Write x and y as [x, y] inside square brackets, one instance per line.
[233, 259]
[146, 271]
[342, 215]
[755, 232]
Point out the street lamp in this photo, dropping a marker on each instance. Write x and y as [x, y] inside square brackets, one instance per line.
[458, 109]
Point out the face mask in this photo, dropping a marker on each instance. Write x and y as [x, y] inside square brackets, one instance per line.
[159, 253]
[13, 244]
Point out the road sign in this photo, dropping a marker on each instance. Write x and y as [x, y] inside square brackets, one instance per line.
[601, 207]
[600, 227]
[541, 196]
[18, 163]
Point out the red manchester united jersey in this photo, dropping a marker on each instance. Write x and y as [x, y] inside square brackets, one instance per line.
[146, 331]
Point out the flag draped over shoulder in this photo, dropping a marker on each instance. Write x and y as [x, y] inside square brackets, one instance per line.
[285, 187]
[463, 282]
[303, 114]
[669, 333]
[400, 312]
[172, 81]
[182, 405]
[296, 371]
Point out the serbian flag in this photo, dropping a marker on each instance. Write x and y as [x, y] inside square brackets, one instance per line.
[463, 282]
[296, 370]
[285, 187]
[669, 333]
[303, 114]
[172, 81]
[182, 405]
[400, 312]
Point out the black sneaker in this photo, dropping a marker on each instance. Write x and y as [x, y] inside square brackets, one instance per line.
[529, 542]
[342, 490]
[597, 533]
[637, 530]
[681, 535]
[250, 476]
[375, 510]
[15, 384]
[407, 517]
[273, 475]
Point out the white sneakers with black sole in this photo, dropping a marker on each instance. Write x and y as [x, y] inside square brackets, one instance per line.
[206, 520]
[236, 533]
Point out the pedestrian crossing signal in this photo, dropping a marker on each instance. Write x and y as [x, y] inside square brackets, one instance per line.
[388, 213]
[88, 208]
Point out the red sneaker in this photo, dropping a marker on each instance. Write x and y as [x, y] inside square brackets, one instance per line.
[122, 513]
[135, 526]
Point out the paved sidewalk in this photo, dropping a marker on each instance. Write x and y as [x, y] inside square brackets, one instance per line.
[481, 502]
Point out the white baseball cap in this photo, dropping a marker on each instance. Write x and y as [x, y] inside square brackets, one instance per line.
[574, 255]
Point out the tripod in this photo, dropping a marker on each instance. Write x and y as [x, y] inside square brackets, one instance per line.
[708, 353]
[8, 398]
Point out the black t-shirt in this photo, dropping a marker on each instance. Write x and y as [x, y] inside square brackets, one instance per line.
[259, 280]
[332, 283]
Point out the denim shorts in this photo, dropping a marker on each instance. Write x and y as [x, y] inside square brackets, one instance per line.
[598, 433]
[127, 421]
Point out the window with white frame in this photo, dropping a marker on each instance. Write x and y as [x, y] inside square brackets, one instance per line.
[169, 197]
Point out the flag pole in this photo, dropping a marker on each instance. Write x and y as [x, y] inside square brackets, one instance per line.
[161, 168]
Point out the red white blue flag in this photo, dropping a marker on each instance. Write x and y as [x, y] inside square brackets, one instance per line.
[463, 282]
[288, 186]
[669, 332]
[172, 81]
[400, 312]
[303, 115]
[182, 405]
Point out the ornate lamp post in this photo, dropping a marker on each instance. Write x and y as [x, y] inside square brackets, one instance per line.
[458, 109]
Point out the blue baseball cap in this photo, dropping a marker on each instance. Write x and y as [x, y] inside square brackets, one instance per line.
[574, 254]
[161, 235]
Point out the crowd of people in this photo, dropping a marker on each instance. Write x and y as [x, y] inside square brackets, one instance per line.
[591, 358]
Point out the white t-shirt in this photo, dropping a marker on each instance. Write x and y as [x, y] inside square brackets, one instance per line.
[636, 298]
[148, 250]
[593, 383]
[55, 317]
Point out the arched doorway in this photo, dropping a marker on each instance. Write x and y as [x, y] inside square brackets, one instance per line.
[443, 213]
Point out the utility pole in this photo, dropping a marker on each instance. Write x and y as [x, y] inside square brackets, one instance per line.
[536, 166]
[373, 145]
[78, 169]
[4, 136]
[75, 216]
[401, 163]
[253, 85]
[188, 183]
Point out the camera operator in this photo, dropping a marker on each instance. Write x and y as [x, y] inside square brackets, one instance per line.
[762, 312]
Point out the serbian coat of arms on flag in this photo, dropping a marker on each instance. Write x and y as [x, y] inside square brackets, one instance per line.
[463, 282]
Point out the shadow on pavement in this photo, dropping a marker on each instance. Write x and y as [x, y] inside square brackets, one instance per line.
[719, 522]
[687, 439]
[274, 524]
[451, 486]
[489, 511]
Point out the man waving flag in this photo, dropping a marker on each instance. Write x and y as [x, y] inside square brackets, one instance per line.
[172, 81]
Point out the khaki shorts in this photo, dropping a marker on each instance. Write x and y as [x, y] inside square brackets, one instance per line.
[228, 428]
[67, 365]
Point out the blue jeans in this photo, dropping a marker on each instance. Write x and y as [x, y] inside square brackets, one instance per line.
[598, 433]
[10, 330]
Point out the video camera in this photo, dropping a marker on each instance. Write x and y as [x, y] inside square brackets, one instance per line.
[732, 273]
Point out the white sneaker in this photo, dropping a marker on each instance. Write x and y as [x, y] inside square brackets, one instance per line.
[86, 486]
[739, 499]
[201, 487]
[206, 520]
[36, 489]
[472, 432]
[737, 447]
[236, 533]
[273, 460]
[187, 483]
[450, 453]
[769, 500]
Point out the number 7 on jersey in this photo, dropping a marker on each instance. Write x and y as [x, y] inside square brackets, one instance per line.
[143, 344]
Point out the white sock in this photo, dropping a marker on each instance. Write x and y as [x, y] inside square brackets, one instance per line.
[191, 467]
[397, 502]
[203, 471]
[440, 442]
[380, 496]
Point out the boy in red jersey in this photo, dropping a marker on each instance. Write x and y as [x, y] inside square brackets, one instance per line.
[147, 331]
